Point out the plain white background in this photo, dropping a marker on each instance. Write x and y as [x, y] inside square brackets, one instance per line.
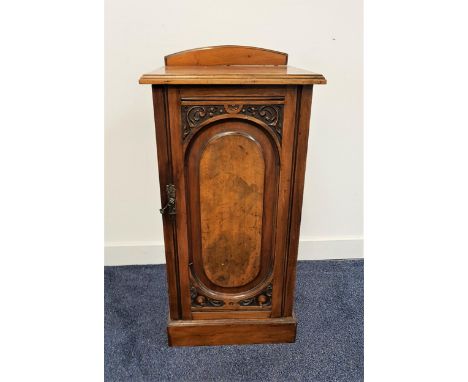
[322, 36]
[51, 220]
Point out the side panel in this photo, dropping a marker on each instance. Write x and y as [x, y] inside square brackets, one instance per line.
[163, 143]
[301, 137]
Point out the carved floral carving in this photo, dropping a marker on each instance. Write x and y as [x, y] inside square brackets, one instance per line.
[198, 300]
[194, 115]
[272, 115]
[262, 299]
[233, 109]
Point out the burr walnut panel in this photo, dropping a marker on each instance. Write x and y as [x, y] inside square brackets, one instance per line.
[232, 172]
[232, 203]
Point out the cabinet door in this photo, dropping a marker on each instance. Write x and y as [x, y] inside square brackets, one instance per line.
[232, 174]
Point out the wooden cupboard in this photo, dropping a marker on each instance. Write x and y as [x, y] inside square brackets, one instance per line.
[232, 127]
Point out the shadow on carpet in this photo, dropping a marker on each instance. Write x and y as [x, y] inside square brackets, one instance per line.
[329, 343]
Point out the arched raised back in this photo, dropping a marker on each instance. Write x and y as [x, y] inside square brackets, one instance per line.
[226, 55]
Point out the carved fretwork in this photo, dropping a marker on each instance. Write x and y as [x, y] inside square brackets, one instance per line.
[262, 299]
[198, 300]
[194, 115]
[272, 115]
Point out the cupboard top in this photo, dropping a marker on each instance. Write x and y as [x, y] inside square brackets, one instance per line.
[230, 64]
[232, 74]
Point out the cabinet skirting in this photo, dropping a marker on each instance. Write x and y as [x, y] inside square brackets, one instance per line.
[231, 331]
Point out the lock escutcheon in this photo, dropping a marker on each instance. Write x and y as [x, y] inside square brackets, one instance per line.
[170, 207]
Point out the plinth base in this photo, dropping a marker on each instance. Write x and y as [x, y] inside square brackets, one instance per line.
[231, 331]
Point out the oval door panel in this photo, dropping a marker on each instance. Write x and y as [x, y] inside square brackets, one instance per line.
[232, 171]
[232, 205]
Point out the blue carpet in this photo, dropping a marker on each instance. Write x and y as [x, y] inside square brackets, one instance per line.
[329, 344]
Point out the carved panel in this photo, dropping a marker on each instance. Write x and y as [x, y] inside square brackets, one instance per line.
[194, 115]
[262, 299]
[198, 300]
[272, 115]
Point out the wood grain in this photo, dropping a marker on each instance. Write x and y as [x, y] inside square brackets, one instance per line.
[231, 92]
[231, 331]
[232, 172]
[297, 181]
[232, 204]
[178, 179]
[284, 195]
[165, 177]
[232, 74]
[227, 55]
[236, 314]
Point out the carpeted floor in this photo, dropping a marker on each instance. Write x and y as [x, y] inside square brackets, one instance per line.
[329, 344]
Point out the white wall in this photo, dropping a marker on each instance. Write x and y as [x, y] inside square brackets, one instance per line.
[322, 36]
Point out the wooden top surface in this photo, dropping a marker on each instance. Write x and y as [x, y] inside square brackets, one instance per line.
[231, 74]
[230, 64]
